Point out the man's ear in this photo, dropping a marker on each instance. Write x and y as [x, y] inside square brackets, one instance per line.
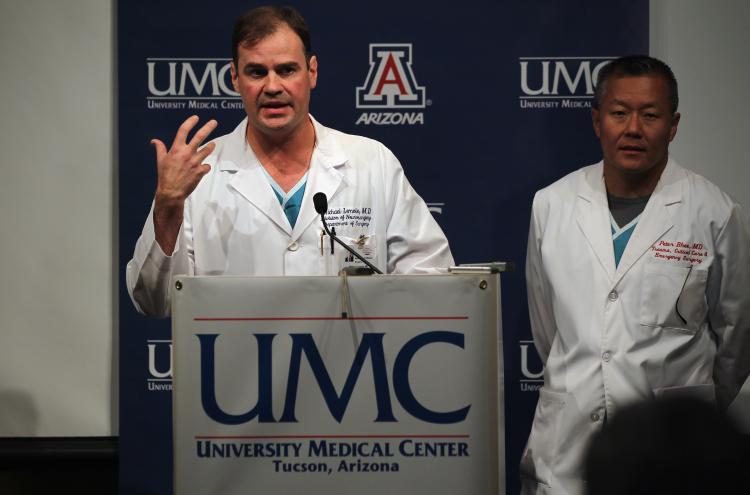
[673, 126]
[312, 71]
[595, 121]
[233, 72]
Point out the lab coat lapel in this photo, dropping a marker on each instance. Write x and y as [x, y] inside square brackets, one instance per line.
[592, 216]
[253, 185]
[249, 180]
[656, 219]
[326, 176]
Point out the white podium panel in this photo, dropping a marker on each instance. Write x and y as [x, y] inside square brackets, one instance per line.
[275, 391]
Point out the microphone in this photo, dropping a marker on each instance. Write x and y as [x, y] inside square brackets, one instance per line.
[321, 203]
[320, 200]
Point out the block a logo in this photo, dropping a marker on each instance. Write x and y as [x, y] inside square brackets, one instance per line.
[390, 85]
[558, 82]
[190, 83]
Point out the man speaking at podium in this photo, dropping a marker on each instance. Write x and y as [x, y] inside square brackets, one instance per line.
[242, 204]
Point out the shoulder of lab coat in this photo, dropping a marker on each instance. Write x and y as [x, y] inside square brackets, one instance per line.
[416, 243]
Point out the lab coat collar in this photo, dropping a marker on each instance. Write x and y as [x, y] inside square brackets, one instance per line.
[236, 157]
[592, 216]
[657, 217]
[250, 181]
[326, 175]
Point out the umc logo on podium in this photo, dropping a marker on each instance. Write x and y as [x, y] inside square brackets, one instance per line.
[390, 85]
[384, 379]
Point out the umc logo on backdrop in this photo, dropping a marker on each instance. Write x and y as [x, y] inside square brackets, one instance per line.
[532, 369]
[436, 208]
[390, 86]
[190, 83]
[159, 365]
[561, 82]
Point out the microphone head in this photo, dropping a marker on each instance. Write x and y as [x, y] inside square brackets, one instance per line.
[320, 200]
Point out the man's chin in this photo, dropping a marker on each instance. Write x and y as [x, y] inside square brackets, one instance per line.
[637, 167]
[274, 126]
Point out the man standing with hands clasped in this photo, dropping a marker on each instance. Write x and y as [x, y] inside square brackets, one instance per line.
[242, 204]
[638, 275]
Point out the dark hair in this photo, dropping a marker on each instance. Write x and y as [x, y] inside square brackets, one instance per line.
[669, 445]
[636, 65]
[256, 24]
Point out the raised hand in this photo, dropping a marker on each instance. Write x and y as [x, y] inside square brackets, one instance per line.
[179, 170]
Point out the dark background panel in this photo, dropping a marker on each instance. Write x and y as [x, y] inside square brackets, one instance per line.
[478, 151]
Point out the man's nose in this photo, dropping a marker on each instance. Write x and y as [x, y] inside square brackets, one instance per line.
[634, 127]
[273, 84]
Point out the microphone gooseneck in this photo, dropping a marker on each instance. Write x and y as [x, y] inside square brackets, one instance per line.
[320, 200]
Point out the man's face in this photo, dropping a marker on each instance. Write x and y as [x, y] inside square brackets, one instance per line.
[274, 81]
[635, 124]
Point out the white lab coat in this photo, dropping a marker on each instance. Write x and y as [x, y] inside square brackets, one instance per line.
[669, 319]
[234, 224]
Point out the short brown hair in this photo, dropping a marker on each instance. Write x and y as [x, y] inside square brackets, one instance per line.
[256, 24]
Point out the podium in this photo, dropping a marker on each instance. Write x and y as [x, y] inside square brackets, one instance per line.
[337, 385]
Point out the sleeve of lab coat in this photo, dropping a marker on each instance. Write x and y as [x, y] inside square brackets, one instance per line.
[729, 307]
[149, 274]
[415, 241]
[541, 315]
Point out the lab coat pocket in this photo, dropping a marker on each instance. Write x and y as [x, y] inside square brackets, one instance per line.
[364, 245]
[705, 391]
[542, 449]
[673, 296]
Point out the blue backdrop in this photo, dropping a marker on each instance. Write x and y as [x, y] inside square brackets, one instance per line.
[504, 110]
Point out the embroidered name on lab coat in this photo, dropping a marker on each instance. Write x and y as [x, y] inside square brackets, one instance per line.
[679, 252]
[349, 217]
